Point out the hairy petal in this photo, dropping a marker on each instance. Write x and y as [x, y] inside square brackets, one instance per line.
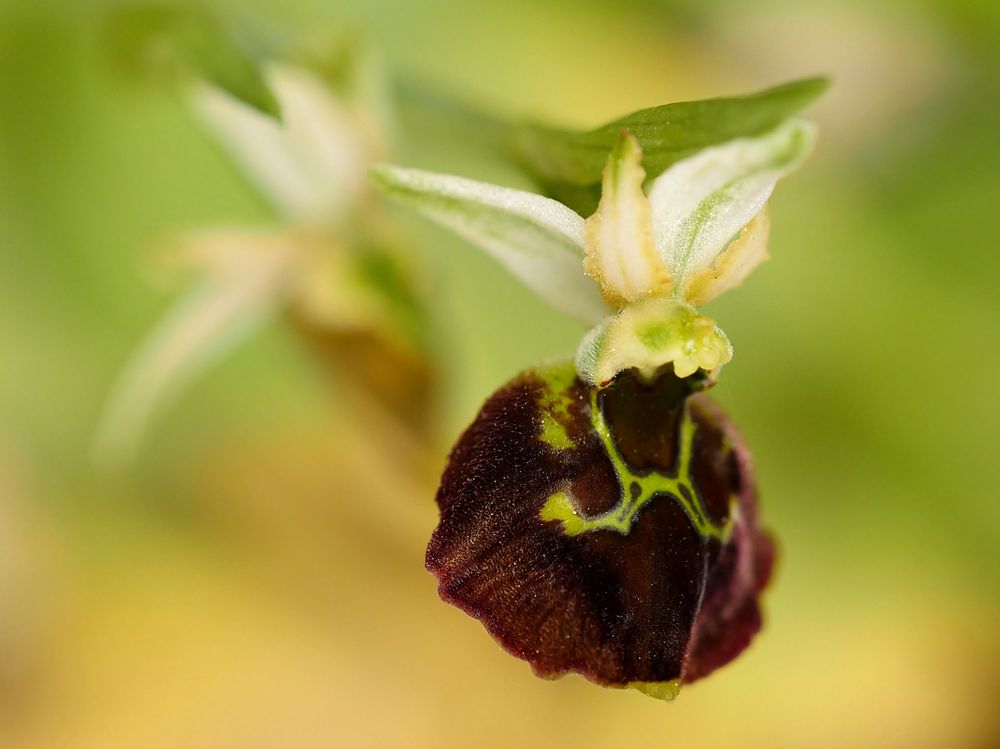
[621, 255]
[732, 265]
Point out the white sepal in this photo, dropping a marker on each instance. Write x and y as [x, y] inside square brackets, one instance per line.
[702, 203]
[539, 240]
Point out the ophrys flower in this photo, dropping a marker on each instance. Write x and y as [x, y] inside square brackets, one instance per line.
[600, 516]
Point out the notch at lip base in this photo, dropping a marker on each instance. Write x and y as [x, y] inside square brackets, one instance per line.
[658, 690]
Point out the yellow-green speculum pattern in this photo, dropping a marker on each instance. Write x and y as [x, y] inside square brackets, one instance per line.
[637, 489]
[554, 405]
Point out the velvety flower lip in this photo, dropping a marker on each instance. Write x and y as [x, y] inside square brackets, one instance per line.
[610, 532]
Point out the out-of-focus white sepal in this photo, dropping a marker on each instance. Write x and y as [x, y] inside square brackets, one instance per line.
[311, 163]
[245, 279]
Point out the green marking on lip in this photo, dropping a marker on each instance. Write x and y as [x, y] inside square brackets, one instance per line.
[655, 336]
[638, 489]
[554, 433]
[553, 403]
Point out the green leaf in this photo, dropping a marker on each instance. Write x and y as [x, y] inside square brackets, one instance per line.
[538, 240]
[569, 163]
[226, 61]
[156, 39]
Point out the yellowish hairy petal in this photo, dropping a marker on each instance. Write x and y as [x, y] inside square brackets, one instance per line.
[733, 265]
[621, 255]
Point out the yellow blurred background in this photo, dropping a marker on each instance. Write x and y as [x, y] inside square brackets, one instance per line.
[255, 578]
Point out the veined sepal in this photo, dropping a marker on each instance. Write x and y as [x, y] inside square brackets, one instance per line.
[647, 335]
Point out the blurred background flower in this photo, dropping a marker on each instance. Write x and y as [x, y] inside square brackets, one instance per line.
[256, 577]
[327, 266]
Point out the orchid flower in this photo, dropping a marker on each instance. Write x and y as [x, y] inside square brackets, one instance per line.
[638, 267]
[600, 516]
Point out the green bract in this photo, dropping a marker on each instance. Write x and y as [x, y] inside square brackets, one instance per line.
[569, 163]
[196, 41]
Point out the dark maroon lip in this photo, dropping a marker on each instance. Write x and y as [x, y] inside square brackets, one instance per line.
[660, 602]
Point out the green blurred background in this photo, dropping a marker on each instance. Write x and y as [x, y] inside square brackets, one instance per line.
[256, 578]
